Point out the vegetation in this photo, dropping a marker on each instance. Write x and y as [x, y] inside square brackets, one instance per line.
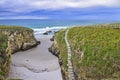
[3, 56]
[59, 37]
[100, 45]
[13, 28]
[101, 48]
[3, 42]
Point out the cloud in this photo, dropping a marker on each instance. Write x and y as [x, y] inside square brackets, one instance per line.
[49, 9]
[24, 17]
[32, 5]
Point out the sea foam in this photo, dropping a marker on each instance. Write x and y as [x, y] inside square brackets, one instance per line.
[52, 29]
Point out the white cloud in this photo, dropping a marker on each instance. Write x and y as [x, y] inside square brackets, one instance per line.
[31, 5]
[24, 17]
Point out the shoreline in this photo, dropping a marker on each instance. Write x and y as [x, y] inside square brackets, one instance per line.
[37, 61]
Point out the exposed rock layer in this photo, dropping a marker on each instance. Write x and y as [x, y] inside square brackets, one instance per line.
[16, 40]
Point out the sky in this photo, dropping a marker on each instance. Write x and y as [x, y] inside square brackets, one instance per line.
[60, 9]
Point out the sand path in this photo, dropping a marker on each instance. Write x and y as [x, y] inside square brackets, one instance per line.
[37, 63]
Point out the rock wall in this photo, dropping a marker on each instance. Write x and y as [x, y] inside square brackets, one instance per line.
[19, 40]
[16, 40]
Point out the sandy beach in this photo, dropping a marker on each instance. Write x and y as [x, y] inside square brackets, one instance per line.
[37, 63]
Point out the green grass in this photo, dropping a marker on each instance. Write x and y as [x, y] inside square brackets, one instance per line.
[13, 28]
[62, 46]
[101, 47]
[3, 58]
[3, 42]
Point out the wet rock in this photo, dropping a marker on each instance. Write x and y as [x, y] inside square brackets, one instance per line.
[47, 32]
[52, 39]
[38, 42]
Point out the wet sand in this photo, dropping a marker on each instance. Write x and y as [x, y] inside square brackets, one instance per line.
[37, 63]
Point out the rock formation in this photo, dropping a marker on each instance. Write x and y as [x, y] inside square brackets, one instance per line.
[16, 40]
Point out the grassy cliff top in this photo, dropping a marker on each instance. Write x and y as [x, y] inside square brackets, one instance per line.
[101, 47]
[112, 25]
[3, 27]
[3, 38]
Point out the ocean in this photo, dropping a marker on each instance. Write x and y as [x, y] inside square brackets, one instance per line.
[41, 26]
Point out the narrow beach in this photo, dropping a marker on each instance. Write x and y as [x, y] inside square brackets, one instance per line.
[37, 63]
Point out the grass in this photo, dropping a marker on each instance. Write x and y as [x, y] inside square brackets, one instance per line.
[101, 47]
[3, 42]
[62, 46]
[3, 46]
[13, 28]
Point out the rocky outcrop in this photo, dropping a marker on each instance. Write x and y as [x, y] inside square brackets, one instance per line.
[16, 40]
[54, 49]
[47, 32]
[52, 39]
[20, 40]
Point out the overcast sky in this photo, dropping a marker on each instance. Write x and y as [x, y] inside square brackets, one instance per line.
[60, 9]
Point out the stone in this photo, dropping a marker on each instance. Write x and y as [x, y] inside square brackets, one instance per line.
[52, 39]
[47, 32]
[27, 46]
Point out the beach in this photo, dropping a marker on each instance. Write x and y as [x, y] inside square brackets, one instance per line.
[36, 63]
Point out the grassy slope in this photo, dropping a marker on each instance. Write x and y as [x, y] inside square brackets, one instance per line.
[13, 28]
[101, 47]
[59, 37]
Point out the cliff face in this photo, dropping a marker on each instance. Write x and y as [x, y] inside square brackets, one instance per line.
[16, 40]
[19, 40]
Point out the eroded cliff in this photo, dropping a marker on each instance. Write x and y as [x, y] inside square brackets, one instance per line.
[13, 39]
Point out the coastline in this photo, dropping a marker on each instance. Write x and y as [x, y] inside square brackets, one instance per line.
[37, 63]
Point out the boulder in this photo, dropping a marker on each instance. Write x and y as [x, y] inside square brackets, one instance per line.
[47, 32]
[52, 39]
[27, 46]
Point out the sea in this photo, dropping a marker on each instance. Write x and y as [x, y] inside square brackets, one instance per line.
[41, 26]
